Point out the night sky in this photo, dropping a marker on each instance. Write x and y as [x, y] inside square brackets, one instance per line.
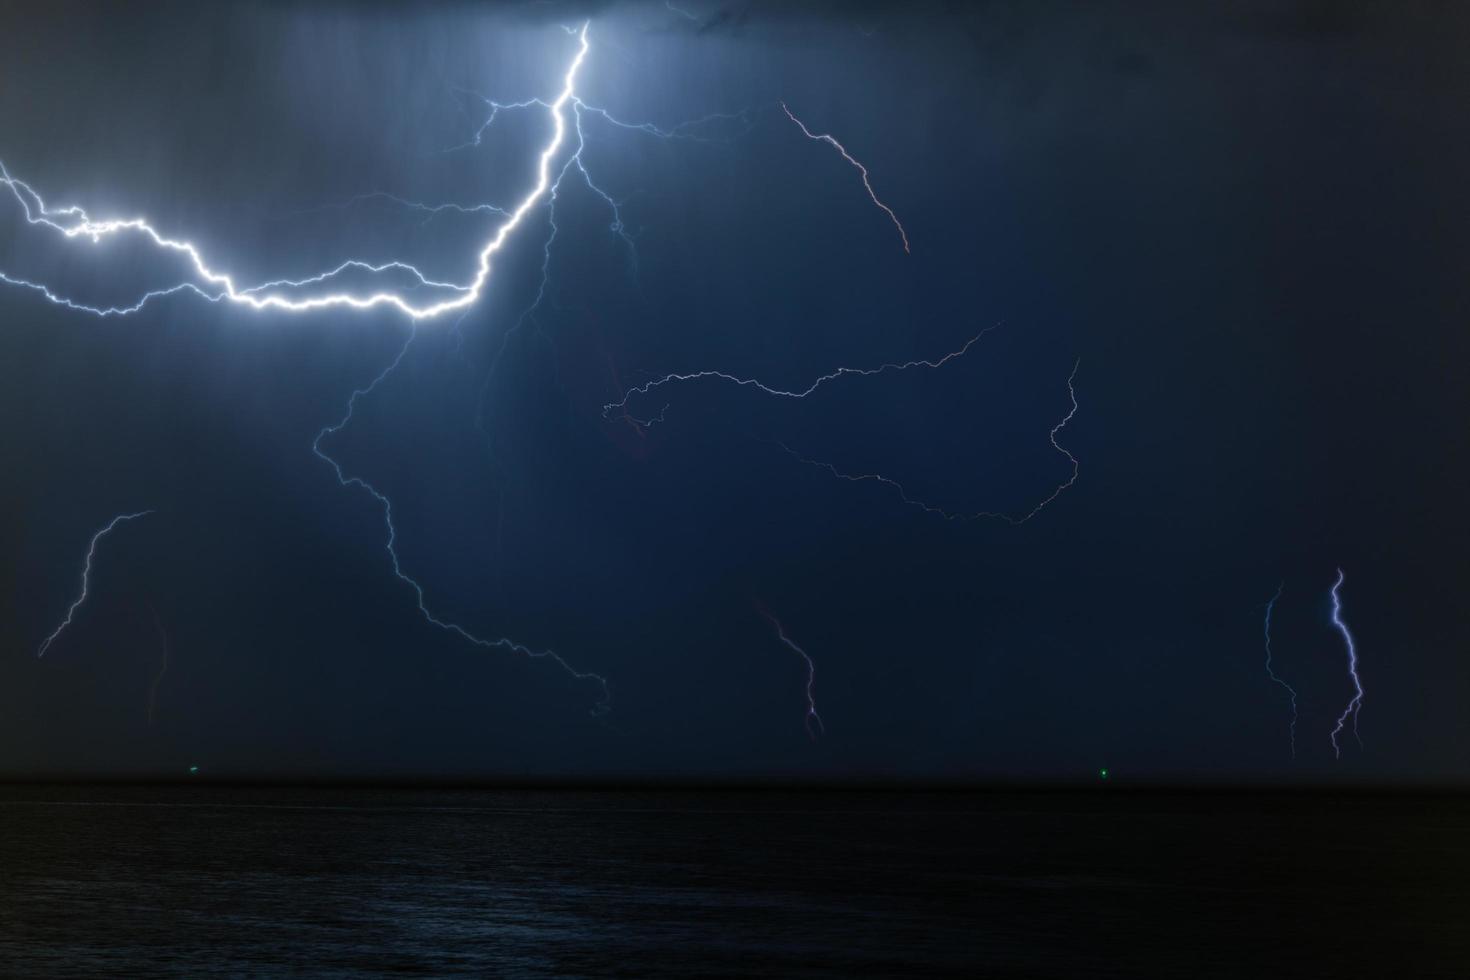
[1243, 225]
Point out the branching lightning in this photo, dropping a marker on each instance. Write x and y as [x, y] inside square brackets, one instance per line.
[831, 140]
[1355, 704]
[812, 720]
[402, 286]
[619, 410]
[962, 516]
[604, 702]
[215, 286]
[1271, 672]
[317, 292]
[87, 576]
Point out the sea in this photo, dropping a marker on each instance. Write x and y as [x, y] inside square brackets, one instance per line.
[245, 880]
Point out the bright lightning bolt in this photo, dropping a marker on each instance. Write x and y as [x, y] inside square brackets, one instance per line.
[1355, 704]
[218, 286]
[831, 140]
[604, 702]
[302, 295]
[319, 292]
[1270, 671]
[87, 576]
[812, 720]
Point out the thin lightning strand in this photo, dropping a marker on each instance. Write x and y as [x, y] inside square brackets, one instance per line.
[1052, 436]
[1270, 671]
[621, 404]
[604, 702]
[828, 138]
[949, 515]
[432, 211]
[812, 718]
[87, 576]
[495, 109]
[1355, 705]
[689, 130]
[222, 286]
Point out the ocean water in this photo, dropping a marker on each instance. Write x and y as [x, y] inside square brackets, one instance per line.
[201, 880]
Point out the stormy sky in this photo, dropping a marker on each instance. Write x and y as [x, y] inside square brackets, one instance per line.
[1242, 226]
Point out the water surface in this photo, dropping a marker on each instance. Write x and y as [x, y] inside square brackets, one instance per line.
[198, 880]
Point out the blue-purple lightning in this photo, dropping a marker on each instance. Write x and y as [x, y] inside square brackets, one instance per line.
[812, 720]
[832, 141]
[1270, 670]
[1355, 704]
[87, 576]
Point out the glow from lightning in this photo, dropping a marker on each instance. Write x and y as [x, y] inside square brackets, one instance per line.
[87, 576]
[73, 222]
[812, 720]
[1270, 671]
[1355, 704]
[842, 372]
[604, 702]
[961, 516]
[829, 139]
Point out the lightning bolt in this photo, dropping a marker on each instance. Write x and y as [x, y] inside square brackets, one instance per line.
[812, 720]
[87, 576]
[215, 286]
[315, 292]
[961, 516]
[605, 700]
[1271, 673]
[832, 141]
[841, 372]
[496, 108]
[322, 291]
[1355, 704]
[431, 211]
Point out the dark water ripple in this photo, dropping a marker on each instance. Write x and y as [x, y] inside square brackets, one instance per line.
[200, 880]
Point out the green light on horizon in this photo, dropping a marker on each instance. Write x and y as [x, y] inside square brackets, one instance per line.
[1102, 774]
[193, 770]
